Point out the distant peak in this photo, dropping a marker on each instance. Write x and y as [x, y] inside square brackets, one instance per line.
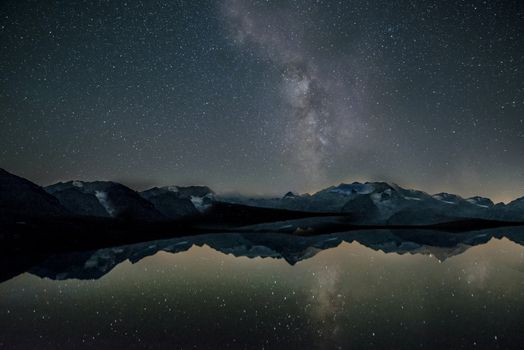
[290, 195]
[353, 188]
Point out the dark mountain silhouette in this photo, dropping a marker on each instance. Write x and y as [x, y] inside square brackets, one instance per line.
[21, 199]
[79, 202]
[115, 199]
[380, 203]
[172, 204]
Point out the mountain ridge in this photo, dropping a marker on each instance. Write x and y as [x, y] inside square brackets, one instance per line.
[368, 203]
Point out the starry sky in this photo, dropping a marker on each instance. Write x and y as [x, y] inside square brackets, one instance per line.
[263, 97]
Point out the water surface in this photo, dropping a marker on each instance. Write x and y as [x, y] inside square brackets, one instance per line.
[329, 292]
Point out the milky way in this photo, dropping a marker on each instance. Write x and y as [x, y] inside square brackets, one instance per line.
[265, 97]
[312, 119]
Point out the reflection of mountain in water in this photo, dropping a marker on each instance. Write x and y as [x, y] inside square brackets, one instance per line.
[442, 245]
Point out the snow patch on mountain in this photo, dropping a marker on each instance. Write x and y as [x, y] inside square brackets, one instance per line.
[172, 188]
[104, 200]
[481, 201]
[376, 198]
[447, 198]
[201, 203]
[412, 198]
[472, 201]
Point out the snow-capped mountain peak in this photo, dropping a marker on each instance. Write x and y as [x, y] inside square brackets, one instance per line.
[448, 198]
[481, 201]
[352, 189]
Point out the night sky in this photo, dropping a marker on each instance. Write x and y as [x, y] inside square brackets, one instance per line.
[263, 97]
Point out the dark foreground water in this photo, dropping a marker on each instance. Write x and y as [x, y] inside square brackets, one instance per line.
[328, 292]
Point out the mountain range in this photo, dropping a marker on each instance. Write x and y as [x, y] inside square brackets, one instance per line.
[370, 203]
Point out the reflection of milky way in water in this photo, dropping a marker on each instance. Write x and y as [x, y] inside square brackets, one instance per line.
[348, 295]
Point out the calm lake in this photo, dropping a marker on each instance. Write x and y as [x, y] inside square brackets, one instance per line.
[353, 290]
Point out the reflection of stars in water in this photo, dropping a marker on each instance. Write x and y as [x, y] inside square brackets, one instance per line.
[345, 296]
